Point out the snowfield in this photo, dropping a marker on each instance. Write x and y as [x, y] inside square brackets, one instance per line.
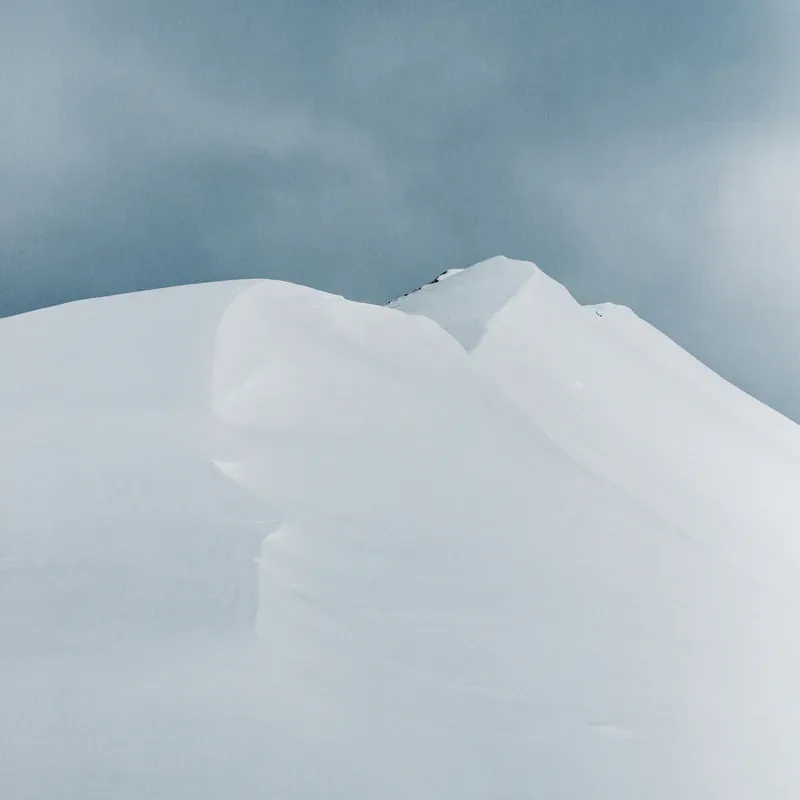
[258, 541]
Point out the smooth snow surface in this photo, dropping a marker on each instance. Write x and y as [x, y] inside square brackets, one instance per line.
[257, 541]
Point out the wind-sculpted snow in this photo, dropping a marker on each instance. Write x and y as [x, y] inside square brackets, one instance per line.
[631, 405]
[260, 541]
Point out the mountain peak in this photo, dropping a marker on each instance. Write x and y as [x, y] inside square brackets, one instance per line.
[465, 301]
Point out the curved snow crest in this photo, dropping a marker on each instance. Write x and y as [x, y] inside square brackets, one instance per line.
[284, 356]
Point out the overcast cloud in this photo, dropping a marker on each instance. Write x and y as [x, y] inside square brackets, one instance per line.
[641, 152]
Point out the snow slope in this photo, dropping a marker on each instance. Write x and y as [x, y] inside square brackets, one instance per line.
[261, 541]
[631, 405]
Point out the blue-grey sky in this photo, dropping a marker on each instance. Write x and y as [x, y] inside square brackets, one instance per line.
[641, 152]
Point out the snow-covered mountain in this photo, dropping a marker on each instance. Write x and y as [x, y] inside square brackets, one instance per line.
[261, 541]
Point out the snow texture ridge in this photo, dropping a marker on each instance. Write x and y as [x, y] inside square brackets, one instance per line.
[262, 541]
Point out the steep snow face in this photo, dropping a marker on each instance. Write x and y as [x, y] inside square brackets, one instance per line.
[263, 541]
[628, 403]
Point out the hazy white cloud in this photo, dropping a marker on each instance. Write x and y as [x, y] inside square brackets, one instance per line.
[758, 213]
